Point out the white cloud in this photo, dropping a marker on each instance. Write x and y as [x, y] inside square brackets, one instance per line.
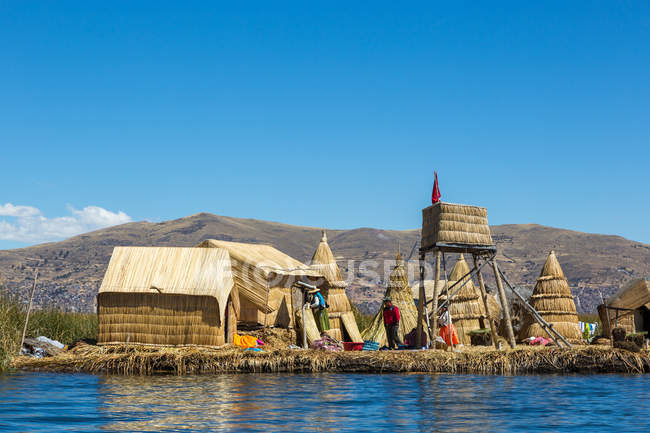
[28, 224]
[18, 211]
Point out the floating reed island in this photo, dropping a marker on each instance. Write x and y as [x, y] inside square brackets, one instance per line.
[181, 311]
[147, 360]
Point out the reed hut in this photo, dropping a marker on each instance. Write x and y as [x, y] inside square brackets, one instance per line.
[448, 224]
[467, 312]
[553, 301]
[263, 277]
[343, 325]
[629, 308]
[167, 296]
[399, 292]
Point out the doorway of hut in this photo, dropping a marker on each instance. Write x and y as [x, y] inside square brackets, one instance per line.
[642, 320]
[230, 325]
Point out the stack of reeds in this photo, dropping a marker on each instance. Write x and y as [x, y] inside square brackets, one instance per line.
[553, 301]
[343, 326]
[466, 307]
[455, 224]
[399, 292]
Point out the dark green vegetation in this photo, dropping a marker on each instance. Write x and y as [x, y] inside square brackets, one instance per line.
[363, 320]
[64, 327]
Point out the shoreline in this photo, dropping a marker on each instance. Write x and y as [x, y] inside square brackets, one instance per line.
[139, 360]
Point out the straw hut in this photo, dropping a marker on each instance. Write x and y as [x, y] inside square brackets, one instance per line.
[167, 296]
[466, 306]
[553, 301]
[629, 308]
[263, 277]
[343, 325]
[455, 224]
[400, 294]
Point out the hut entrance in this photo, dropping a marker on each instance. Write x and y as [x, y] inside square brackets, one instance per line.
[642, 320]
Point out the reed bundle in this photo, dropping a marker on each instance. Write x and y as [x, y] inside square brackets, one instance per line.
[399, 292]
[342, 324]
[553, 301]
[455, 224]
[140, 360]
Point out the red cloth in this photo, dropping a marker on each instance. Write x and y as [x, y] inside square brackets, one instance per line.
[391, 315]
[444, 333]
[435, 195]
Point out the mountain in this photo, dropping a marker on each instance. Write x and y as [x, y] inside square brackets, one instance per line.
[71, 271]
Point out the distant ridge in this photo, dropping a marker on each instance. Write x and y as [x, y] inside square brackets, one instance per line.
[72, 269]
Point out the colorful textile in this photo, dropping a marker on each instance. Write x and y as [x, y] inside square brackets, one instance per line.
[327, 343]
[444, 333]
[391, 316]
[322, 319]
[539, 341]
[244, 341]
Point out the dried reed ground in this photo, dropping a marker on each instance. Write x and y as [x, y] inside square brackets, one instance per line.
[141, 360]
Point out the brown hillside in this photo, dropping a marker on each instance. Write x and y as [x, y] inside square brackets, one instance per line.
[72, 269]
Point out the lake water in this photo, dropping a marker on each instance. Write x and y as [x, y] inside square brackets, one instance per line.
[48, 402]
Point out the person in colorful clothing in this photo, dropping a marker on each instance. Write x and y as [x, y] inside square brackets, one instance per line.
[447, 329]
[391, 323]
[319, 308]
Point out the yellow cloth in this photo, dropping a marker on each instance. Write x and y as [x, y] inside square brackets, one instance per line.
[244, 341]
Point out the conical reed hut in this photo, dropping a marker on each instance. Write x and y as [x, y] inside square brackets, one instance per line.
[553, 301]
[399, 292]
[343, 326]
[466, 306]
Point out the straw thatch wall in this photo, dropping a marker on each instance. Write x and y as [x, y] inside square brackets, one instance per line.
[400, 293]
[553, 301]
[466, 306]
[263, 276]
[342, 324]
[632, 296]
[167, 296]
[455, 224]
[159, 319]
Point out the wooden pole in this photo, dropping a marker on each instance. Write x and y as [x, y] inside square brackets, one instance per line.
[434, 309]
[448, 300]
[484, 295]
[29, 309]
[422, 300]
[304, 324]
[504, 305]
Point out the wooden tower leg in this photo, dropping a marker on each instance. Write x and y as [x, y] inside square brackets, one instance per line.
[484, 295]
[422, 300]
[504, 305]
[434, 308]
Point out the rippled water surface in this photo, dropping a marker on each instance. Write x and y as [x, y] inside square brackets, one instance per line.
[324, 402]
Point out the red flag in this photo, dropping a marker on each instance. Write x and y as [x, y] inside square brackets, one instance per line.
[435, 195]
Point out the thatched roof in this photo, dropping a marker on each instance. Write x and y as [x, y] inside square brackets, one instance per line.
[455, 224]
[553, 301]
[323, 262]
[632, 295]
[257, 268]
[400, 293]
[171, 271]
[340, 310]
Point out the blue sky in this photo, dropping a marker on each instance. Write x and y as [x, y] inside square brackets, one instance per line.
[326, 114]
